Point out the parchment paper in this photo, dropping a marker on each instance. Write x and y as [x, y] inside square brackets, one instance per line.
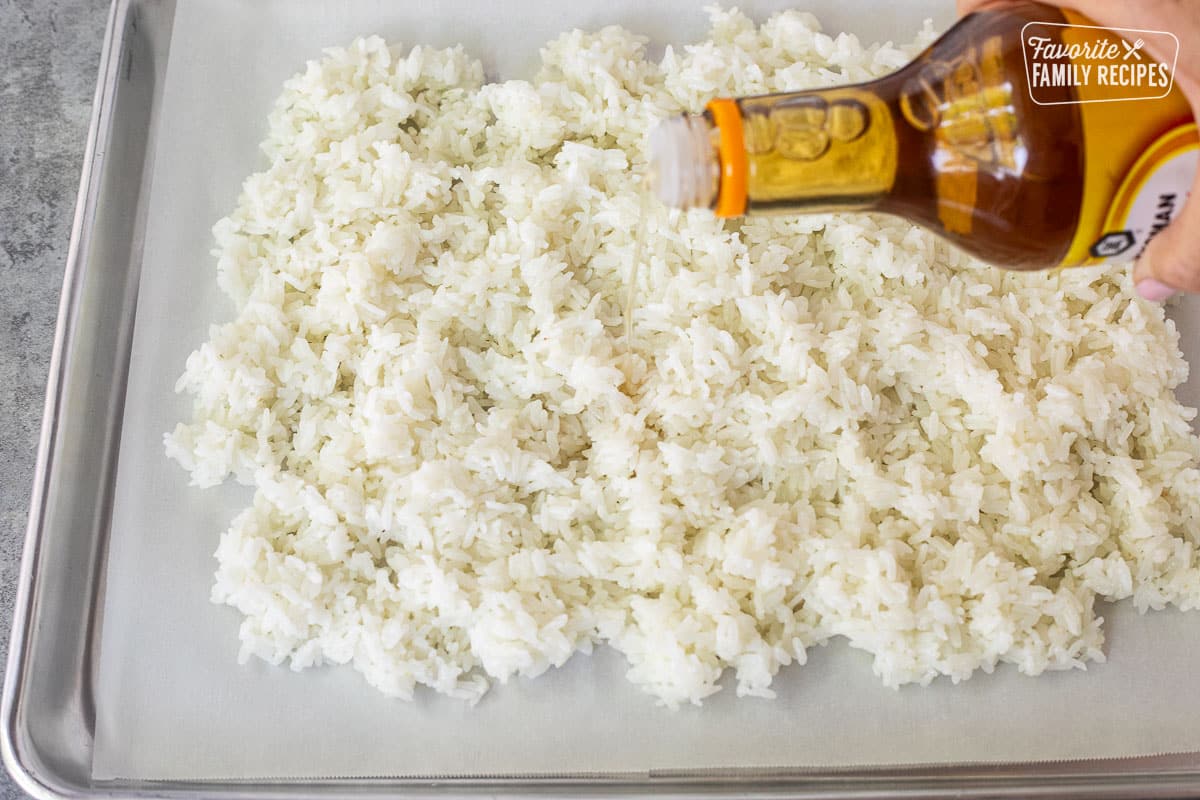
[171, 700]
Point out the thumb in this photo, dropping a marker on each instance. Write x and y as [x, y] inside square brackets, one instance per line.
[1171, 262]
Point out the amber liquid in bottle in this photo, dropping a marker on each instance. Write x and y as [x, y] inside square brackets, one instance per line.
[953, 142]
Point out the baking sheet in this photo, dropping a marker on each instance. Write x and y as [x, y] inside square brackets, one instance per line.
[171, 702]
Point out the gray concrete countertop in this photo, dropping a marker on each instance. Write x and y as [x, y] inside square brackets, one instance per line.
[49, 54]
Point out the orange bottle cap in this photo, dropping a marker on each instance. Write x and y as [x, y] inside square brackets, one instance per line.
[731, 195]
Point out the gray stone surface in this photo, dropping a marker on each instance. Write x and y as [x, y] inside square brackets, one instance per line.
[49, 54]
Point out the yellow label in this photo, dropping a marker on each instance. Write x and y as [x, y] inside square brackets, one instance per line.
[1150, 197]
[1141, 156]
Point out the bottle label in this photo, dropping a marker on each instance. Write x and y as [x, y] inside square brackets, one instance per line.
[1150, 197]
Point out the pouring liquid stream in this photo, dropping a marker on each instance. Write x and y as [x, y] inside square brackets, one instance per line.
[639, 253]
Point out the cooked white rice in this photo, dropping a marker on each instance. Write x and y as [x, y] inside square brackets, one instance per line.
[824, 426]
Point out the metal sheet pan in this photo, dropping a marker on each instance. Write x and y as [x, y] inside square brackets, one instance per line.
[49, 703]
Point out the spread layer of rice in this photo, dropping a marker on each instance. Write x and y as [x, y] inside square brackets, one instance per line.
[822, 426]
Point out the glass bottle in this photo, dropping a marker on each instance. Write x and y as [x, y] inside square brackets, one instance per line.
[995, 137]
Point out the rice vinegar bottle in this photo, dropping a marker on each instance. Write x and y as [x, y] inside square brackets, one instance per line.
[1025, 135]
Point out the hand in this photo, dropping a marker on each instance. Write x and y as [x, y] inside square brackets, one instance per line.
[1172, 259]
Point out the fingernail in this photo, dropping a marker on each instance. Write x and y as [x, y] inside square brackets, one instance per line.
[1154, 291]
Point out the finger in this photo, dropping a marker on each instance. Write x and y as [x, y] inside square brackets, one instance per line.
[1171, 262]
[965, 7]
[1177, 16]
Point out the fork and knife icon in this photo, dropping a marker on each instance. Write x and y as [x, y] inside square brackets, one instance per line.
[1133, 49]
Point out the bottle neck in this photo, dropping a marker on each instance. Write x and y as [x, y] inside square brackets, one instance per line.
[825, 149]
